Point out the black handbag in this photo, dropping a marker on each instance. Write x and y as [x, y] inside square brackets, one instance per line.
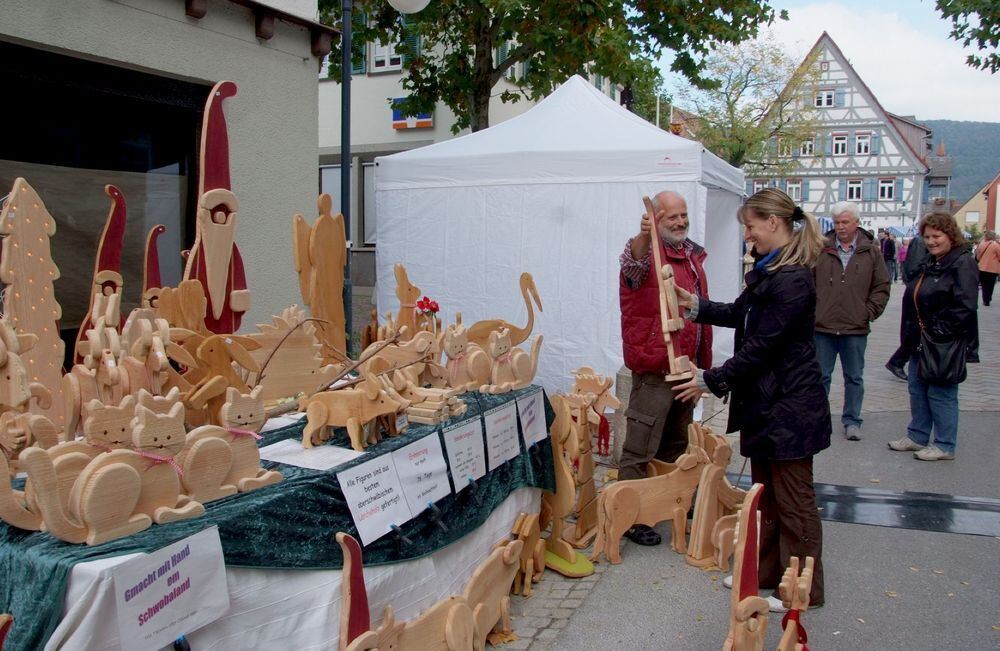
[939, 362]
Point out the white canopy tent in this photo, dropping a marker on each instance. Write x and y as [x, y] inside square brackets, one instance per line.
[556, 192]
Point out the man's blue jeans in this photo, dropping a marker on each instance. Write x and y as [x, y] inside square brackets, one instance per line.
[932, 405]
[851, 349]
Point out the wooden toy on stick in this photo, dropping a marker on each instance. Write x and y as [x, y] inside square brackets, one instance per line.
[670, 316]
[588, 382]
[107, 286]
[714, 499]
[29, 301]
[479, 332]
[512, 368]
[794, 590]
[748, 611]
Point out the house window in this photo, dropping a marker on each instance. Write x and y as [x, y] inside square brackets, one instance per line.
[886, 189]
[824, 98]
[758, 185]
[824, 65]
[794, 189]
[840, 145]
[385, 57]
[863, 144]
[807, 147]
[854, 190]
[972, 217]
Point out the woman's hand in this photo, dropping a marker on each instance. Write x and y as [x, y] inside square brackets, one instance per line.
[684, 297]
[690, 391]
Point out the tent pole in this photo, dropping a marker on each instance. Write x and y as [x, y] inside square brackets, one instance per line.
[345, 155]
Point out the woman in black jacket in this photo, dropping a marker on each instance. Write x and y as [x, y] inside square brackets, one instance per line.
[943, 302]
[778, 401]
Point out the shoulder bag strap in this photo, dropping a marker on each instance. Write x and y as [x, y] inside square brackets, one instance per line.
[916, 305]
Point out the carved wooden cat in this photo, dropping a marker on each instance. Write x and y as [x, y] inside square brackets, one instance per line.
[512, 368]
[242, 416]
[468, 364]
[157, 439]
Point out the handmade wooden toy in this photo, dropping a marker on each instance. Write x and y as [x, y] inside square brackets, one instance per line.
[241, 416]
[108, 284]
[650, 501]
[151, 281]
[748, 611]
[391, 356]
[581, 455]
[218, 358]
[794, 590]
[147, 352]
[29, 302]
[215, 259]
[184, 306]
[511, 368]
[293, 356]
[205, 462]
[370, 333]
[13, 507]
[350, 407]
[715, 499]
[488, 594]
[16, 388]
[479, 332]
[587, 382]
[323, 265]
[468, 366]
[428, 405]
[670, 316]
[158, 438]
[409, 316]
[532, 564]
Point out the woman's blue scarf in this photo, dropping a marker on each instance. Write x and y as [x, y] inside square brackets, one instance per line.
[766, 260]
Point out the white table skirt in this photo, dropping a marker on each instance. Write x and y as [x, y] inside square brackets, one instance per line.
[292, 609]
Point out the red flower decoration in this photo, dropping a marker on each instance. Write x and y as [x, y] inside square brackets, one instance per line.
[427, 306]
[434, 307]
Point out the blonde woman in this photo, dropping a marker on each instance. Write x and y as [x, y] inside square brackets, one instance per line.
[778, 402]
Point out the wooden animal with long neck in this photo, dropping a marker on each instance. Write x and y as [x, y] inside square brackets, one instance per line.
[479, 332]
[512, 368]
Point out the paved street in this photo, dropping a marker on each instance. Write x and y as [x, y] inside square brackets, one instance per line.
[887, 588]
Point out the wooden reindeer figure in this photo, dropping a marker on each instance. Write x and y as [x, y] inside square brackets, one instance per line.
[242, 416]
[748, 611]
[649, 501]
[715, 499]
[587, 381]
[468, 366]
[488, 594]
[349, 407]
[479, 332]
[794, 590]
[158, 438]
[511, 368]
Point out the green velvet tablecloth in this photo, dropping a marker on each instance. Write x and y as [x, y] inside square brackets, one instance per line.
[289, 525]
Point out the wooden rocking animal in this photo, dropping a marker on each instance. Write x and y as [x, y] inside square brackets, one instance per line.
[468, 366]
[479, 332]
[649, 501]
[511, 368]
[715, 499]
[748, 611]
[350, 407]
[794, 590]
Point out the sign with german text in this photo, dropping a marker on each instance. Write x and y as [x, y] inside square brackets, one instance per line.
[531, 411]
[502, 443]
[375, 497]
[466, 453]
[170, 592]
[422, 471]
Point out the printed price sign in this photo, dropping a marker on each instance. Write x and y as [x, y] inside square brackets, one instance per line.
[531, 410]
[466, 453]
[171, 592]
[502, 443]
[422, 472]
[375, 497]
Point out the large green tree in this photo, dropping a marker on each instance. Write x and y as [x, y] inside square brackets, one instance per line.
[466, 46]
[758, 102]
[975, 23]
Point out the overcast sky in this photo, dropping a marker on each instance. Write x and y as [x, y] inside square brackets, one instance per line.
[900, 48]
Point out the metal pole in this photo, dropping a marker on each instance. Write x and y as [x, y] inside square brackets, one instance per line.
[345, 154]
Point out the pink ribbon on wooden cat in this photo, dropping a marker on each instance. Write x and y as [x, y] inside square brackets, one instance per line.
[102, 448]
[236, 431]
[453, 374]
[505, 358]
[157, 459]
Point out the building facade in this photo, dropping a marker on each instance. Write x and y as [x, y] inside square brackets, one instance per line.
[860, 151]
[980, 210]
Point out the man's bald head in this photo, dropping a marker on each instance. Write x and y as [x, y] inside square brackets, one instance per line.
[672, 218]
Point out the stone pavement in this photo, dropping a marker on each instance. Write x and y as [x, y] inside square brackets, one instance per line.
[886, 588]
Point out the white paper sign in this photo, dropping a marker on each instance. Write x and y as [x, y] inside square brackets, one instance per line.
[320, 457]
[502, 443]
[422, 472]
[466, 453]
[375, 497]
[531, 409]
[171, 592]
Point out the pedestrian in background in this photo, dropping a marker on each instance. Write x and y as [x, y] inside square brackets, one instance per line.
[904, 246]
[940, 329]
[988, 255]
[889, 254]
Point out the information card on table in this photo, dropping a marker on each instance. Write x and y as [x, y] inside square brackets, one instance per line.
[375, 497]
[502, 444]
[171, 592]
[466, 453]
[422, 472]
[531, 409]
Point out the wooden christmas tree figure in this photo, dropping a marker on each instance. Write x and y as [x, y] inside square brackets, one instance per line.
[26, 267]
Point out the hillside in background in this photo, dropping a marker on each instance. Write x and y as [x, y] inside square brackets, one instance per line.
[975, 147]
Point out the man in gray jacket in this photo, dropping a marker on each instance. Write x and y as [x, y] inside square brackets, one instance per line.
[852, 289]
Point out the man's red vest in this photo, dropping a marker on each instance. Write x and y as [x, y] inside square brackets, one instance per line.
[642, 336]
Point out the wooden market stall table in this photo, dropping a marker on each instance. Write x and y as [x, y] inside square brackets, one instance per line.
[61, 595]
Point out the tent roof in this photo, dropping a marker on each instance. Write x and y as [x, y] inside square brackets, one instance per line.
[575, 135]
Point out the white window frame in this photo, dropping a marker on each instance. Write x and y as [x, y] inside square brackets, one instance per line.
[863, 144]
[808, 147]
[855, 190]
[839, 144]
[794, 190]
[387, 55]
[887, 189]
[758, 185]
[824, 98]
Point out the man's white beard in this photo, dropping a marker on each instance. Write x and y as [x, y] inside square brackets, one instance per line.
[669, 238]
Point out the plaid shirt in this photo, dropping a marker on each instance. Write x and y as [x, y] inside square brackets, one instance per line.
[635, 271]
